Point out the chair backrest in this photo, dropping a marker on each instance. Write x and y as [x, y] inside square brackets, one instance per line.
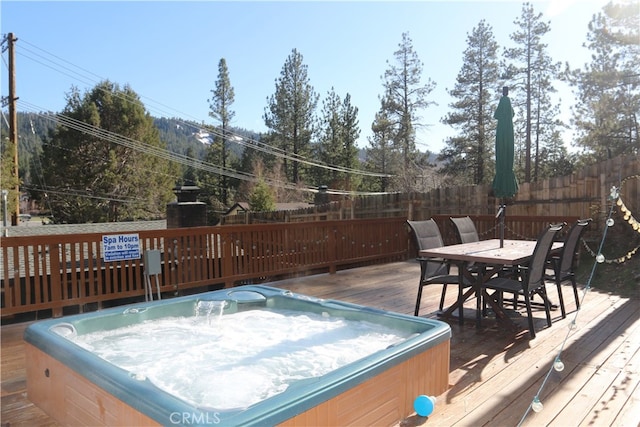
[567, 260]
[465, 229]
[426, 234]
[537, 265]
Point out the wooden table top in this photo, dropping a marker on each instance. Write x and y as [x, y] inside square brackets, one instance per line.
[514, 252]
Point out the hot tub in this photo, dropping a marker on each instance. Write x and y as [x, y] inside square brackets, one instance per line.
[77, 387]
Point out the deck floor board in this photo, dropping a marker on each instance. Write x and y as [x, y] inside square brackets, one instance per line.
[494, 373]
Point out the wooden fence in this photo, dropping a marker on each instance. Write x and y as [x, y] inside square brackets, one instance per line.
[52, 272]
[584, 194]
[56, 271]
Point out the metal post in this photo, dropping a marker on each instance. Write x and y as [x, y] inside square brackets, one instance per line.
[504, 211]
[4, 213]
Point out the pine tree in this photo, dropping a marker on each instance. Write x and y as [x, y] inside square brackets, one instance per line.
[404, 97]
[336, 147]
[608, 88]
[469, 155]
[103, 144]
[532, 71]
[290, 114]
[381, 157]
[7, 176]
[350, 135]
[220, 103]
[262, 198]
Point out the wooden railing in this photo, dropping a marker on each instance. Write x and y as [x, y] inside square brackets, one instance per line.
[515, 226]
[57, 271]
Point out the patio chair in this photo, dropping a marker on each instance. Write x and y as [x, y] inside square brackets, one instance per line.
[433, 271]
[563, 265]
[466, 232]
[532, 280]
[465, 229]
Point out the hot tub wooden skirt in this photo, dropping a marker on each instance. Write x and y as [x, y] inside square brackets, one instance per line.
[384, 399]
[71, 399]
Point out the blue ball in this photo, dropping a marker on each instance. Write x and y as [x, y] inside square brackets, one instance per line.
[424, 405]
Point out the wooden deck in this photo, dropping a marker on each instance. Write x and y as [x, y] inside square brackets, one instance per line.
[494, 374]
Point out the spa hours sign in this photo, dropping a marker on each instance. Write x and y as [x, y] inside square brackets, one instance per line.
[120, 247]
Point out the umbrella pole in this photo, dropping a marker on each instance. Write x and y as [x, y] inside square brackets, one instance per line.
[503, 209]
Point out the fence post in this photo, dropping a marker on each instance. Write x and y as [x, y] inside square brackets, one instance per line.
[332, 249]
[56, 272]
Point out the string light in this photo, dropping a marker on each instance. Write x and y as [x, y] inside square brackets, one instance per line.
[557, 365]
[627, 216]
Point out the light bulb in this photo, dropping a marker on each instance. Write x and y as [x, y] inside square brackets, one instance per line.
[558, 365]
[610, 222]
[600, 258]
[536, 405]
[572, 325]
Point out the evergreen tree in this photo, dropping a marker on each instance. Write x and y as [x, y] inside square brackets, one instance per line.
[98, 165]
[547, 142]
[220, 103]
[555, 158]
[290, 114]
[8, 179]
[190, 173]
[262, 198]
[381, 157]
[469, 156]
[606, 115]
[533, 71]
[339, 133]
[349, 149]
[328, 148]
[404, 97]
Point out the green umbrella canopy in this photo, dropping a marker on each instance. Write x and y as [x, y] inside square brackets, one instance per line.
[504, 183]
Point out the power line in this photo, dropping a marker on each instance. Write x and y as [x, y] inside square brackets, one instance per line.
[153, 150]
[235, 137]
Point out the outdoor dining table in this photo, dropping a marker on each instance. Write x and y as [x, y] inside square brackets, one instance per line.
[488, 259]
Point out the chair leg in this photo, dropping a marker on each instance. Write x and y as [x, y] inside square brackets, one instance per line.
[547, 305]
[532, 331]
[560, 298]
[460, 306]
[444, 293]
[575, 291]
[417, 310]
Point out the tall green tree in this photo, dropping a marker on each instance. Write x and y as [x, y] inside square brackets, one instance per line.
[555, 159]
[339, 132]
[469, 156]
[381, 157]
[8, 180]
[222, 99]
[606, 114]
[532, 71]
[290, 114]
[350, 135]
[262, 198]
[547, 143]
[404, 97]
[99, 166]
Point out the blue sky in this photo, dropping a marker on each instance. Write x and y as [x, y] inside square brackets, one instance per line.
[168, 52]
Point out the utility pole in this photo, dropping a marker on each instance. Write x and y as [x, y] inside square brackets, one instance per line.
[13, 120]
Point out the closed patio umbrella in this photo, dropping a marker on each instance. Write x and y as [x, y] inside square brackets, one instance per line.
[504, 182]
